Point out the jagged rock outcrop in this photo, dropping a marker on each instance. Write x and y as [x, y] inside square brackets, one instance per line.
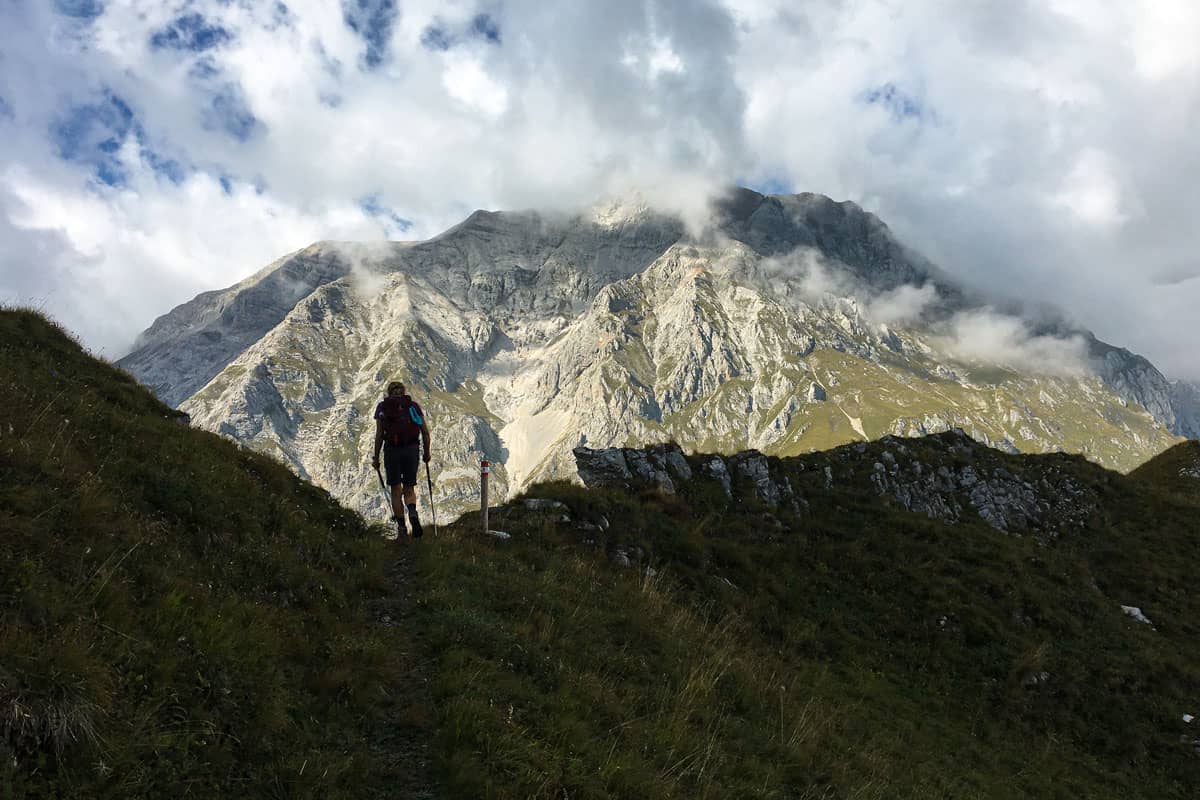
[526, 335]
[1054, 503]
[949, 477]
[1185, 400]
[665, 466]
[1136, 380]
[659, 466]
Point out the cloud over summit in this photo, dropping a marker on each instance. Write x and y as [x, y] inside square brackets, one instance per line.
[154, 150]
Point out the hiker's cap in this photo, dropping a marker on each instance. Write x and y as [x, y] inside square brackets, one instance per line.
[395, 387]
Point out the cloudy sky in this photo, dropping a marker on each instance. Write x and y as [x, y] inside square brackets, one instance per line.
[1045, 149]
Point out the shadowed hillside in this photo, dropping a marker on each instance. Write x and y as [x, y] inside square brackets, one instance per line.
[178, 617]
[783, 628]
[919, 618]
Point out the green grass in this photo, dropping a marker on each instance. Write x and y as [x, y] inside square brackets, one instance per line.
[178, 617]
[181, 617]
[853, 651]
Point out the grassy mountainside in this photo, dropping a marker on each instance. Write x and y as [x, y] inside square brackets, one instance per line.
[852, 650]
[178, 617]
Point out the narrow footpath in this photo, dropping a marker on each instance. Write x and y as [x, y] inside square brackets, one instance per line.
[405, 744]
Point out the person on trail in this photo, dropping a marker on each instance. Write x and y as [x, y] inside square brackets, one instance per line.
[400, 428]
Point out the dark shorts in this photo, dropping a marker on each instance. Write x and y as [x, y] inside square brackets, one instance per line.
[400, 464]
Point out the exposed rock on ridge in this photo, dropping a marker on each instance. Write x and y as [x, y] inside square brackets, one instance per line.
[1136, 380]
[1053, 503]
[948, 477]
[186, 348]
[1185, 400]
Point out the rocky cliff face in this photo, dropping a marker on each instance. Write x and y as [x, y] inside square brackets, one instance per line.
[185, 349]
[949, 477]
[526, 336]
[1136, 380]
[1185, 402]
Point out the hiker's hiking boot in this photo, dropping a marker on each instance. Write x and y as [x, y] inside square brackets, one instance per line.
[401, 534]
[415, 524]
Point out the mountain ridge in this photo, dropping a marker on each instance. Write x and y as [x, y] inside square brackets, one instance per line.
[527, 331]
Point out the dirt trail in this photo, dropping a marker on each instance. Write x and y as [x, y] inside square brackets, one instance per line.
[406, 742]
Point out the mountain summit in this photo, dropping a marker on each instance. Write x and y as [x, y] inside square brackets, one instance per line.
[791, 323]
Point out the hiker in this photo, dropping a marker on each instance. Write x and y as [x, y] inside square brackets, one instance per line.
[399, 429]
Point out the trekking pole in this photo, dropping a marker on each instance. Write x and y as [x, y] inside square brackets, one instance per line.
[389, 507]
[432, 507]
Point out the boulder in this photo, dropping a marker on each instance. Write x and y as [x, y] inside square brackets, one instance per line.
[542, 504]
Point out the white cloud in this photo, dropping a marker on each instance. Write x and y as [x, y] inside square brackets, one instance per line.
[816, 282]
[664, 59]
[988, 337]
[1038, 150]
[652, 56]
[467, 81]
[1165, 33]
[904, 305]
[1091, 192]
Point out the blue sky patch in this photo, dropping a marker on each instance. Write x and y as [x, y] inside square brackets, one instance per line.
[435, 38]
[896, 102]
[485, 28]
[281, 16]
[228, 113]
[92, 134]
[204, 69]
[373, 21]
[79, 9]
[374, 208]
[226, 184]
[482, 26]
[168, 168]
[190, 32]
[6, 111]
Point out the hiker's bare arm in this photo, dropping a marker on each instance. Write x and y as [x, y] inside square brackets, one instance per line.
[425, 436]
[378, 442]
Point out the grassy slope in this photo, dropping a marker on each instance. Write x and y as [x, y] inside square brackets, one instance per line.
[856, 651]
[181, 616]
[177, 616]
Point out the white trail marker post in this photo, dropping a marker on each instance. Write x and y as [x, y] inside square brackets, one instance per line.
[484, 470]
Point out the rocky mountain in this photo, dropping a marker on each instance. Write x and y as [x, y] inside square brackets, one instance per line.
[1185, 402]
[789, 324]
